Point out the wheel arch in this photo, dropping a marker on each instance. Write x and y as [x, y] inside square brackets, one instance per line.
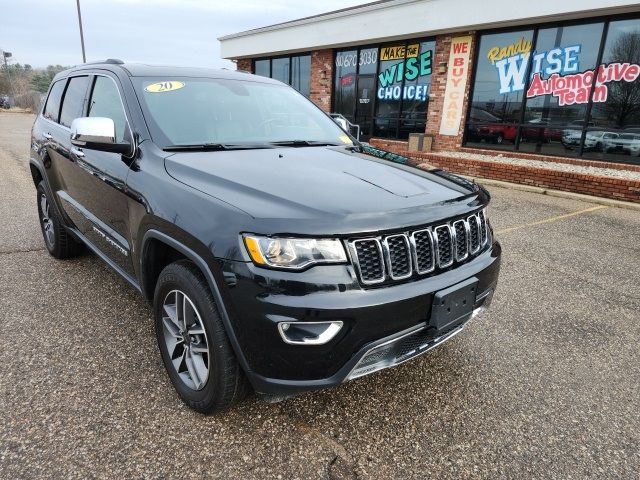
[36, 172]
[151, 239]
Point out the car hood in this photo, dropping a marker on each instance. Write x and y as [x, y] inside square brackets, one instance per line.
[320, 184]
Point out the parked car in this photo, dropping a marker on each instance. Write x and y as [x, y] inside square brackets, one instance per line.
[541, 130]
[571, 138]
[278, 254]
[600, 141]
[483, 125]
[628, 143]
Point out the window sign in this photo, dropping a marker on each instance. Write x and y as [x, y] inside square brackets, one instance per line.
[534, 88]
[403, 63]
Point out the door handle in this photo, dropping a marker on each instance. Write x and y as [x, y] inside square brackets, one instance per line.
[77, 152]
[48, 136]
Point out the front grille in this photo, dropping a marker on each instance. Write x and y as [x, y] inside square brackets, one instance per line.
[445, 245]
[370, 263]
[401, 256]
[398, 256]
[423, 247]
[462, 240]
[474, 234]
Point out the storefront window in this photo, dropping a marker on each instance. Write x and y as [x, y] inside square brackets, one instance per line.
[385, 90]
[262, 67]
[344, 91]
[280, 69]
[559, 69]
[295, 70]
[301, 73]
[496, 104]
[617, 120]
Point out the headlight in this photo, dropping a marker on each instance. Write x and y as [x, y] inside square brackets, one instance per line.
[293, 253]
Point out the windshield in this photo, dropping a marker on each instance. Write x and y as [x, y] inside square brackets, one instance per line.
[206, 111]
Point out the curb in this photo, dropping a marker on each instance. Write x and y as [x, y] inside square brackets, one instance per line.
[555, 193]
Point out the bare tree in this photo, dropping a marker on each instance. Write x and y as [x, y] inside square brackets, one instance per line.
[623, 103]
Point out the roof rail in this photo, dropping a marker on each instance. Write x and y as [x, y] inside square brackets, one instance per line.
[112, 61]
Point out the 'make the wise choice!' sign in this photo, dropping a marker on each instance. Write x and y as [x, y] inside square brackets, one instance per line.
[456, 84]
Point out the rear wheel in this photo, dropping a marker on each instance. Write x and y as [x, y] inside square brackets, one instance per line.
[58, 241]
[193, 342]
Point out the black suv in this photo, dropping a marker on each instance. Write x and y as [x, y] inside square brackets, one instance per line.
[277, 251]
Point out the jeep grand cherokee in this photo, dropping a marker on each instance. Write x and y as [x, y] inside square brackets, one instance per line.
[278, 252]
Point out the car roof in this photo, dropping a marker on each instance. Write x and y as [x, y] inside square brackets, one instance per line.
[147, 70]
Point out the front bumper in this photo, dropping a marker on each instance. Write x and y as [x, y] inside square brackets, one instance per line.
[382, 326]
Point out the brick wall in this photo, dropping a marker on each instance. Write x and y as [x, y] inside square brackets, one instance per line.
[321, 78]
[616, 188]
[244, 65]
[438, 86]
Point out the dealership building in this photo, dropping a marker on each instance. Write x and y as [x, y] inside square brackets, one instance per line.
[546, 81]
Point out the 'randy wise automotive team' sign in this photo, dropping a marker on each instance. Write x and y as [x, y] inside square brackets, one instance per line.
[556, 72]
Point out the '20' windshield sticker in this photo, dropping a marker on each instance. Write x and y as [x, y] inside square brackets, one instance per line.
[161, 87]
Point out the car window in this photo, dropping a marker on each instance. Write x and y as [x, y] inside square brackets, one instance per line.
[105, 102]
[182, 111]
[73, 98]
[52, 108]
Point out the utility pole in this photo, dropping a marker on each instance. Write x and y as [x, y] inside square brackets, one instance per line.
[84, 58]
[6, 55]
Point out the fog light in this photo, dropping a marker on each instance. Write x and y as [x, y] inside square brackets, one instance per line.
[308, 333]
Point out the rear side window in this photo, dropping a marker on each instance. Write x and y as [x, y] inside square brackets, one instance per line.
[105, 102]
[73, 98]
[52, 108]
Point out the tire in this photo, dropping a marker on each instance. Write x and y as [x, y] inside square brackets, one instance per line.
[224, 384]
[499, 139]
[58, 241]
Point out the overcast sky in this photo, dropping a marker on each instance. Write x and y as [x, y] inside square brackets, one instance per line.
[181, 32]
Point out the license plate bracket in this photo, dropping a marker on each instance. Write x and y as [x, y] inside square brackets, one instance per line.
[454, 304]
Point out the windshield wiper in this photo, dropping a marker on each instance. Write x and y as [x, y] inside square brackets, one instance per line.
[305, 143]
[211, 147]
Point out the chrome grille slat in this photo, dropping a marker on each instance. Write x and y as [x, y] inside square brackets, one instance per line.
[461, 230]
[423, 251]
[484, 235]
[474, 234]
[367, 256]
[444, 240]
[400, 256]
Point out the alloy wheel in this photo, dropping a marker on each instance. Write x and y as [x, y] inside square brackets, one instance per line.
[186, 340]
[47, 224]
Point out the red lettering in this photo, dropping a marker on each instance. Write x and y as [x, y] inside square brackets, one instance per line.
[537, 87]
[460, 47]
[600, 93]
[632, 73]
[458, 62]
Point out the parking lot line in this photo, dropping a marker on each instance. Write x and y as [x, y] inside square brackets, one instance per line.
[551, 219]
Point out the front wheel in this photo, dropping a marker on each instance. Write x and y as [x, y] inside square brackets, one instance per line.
[193, 343]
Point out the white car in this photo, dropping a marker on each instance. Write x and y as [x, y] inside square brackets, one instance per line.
[629, 143]
[600, 141]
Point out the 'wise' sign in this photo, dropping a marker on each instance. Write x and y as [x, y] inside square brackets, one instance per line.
[456, 84]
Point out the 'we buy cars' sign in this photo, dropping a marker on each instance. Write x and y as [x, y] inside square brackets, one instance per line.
[456, 84]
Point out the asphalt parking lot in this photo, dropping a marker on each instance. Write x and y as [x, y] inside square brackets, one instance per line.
[544, 385]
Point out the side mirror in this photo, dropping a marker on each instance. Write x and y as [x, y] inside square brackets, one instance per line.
[342, 123]
[98, 133]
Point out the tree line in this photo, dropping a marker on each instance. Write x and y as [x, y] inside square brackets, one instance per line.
[25, 85]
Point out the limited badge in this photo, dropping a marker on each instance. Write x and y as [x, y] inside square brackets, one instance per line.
[161, 87]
